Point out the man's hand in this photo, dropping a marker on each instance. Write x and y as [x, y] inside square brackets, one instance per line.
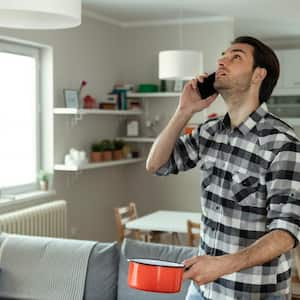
[190, 99]
[205, 269]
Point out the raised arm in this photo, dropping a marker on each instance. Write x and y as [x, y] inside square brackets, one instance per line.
[190, 102]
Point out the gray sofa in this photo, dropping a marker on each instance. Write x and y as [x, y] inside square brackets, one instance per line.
[106, 277]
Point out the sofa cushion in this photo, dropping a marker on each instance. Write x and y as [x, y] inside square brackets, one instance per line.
[138, 249]
[102, 272]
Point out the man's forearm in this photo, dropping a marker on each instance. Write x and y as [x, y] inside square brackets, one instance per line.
[206, 268]
[164, 144]
[263, 250]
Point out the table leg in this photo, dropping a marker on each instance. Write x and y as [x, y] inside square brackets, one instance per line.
[175, 238]
[155, 236]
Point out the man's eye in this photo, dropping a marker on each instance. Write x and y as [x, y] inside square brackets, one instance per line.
[236, 56]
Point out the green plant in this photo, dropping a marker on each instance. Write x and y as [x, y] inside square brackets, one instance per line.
[107, 145]
[44, 176]
[96, 147]
[118, 144]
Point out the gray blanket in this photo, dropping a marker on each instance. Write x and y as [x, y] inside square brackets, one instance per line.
[24, 259]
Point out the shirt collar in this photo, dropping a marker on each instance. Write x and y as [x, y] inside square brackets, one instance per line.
[249, 123]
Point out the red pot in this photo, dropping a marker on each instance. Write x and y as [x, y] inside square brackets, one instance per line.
[155, 275]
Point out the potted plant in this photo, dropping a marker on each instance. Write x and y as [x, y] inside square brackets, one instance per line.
[117, 152]
[44, 179]
[107, 148]
[96, 152]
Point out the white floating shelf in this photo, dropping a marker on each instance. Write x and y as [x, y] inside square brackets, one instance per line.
[286, 92]
[154, 95]
[284, 105]
[98, 165]
[292, 121]
[76, 111]
[137, 139]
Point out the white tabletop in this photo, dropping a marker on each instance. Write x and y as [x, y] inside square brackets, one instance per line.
[164, 220]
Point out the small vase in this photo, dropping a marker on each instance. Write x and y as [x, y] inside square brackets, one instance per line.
[107, 155]
[43, 185]
[117, 154]
[96, 156]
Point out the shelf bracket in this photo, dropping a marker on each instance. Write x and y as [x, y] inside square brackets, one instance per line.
[76, 119]
[73, 177]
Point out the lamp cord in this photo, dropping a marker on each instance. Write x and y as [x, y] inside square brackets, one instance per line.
[180, 29]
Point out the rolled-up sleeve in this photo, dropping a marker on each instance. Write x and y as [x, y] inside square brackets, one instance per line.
[283, 191]
[184, 156]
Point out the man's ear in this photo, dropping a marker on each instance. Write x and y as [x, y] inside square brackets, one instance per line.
[259, 75]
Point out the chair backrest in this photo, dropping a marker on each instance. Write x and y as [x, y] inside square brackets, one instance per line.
[123, 215]
[295, 287]
[193, 232]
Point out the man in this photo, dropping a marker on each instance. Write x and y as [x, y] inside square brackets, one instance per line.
[250, 187]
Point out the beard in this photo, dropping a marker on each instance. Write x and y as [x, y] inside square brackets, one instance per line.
[227, 86]
[221, 84]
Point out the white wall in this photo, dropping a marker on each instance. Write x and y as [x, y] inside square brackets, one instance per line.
[140, 65]
[103, 54]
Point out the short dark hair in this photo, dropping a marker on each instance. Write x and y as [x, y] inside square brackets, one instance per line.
[264, 57]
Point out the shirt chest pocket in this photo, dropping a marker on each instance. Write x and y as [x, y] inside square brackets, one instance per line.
[244, 188]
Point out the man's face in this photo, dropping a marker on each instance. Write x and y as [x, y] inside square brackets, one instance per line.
[235, 69]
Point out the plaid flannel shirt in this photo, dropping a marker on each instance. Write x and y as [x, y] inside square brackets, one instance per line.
[250, 185]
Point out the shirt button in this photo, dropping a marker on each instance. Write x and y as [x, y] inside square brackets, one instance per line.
[217, 207]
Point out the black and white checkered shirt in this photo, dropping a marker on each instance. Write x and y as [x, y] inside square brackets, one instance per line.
[250, 186]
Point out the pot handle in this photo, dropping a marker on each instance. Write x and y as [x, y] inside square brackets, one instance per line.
[187, 268]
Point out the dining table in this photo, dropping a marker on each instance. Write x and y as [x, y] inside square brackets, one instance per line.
[169, 221]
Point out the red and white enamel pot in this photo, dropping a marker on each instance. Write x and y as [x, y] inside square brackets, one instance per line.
[155, 275]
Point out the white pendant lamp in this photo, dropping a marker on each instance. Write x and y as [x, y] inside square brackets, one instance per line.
[40, 14]
[180, 64]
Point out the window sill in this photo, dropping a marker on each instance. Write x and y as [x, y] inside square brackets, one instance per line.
[24, 198]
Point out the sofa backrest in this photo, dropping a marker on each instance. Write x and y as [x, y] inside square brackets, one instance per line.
[139, 249]
[101, 275]
[102, 272]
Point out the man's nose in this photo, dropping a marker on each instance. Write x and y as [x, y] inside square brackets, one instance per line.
[222, 61]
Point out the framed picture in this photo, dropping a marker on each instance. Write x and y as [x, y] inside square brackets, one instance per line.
[71, 98]
[132, 128]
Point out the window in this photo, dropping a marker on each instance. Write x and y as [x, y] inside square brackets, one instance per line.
[19, 118]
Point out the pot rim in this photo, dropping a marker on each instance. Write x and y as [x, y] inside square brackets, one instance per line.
[156, 262]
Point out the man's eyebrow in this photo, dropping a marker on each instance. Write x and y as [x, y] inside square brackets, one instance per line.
[234, 50]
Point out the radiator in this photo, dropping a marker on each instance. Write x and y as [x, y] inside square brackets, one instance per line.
[49, 219]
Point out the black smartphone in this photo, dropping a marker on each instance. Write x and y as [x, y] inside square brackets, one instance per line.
[206, 88]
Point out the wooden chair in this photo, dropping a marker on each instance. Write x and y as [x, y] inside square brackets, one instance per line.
[295, 282]
[122, 216]
[295, 287]
[193, 233]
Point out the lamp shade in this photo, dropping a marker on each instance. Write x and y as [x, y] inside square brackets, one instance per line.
[40, 14]
[180, 64]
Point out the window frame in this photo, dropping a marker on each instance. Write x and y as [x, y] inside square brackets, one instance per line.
[31, 51]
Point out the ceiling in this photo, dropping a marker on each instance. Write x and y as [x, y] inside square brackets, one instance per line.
[268, 19]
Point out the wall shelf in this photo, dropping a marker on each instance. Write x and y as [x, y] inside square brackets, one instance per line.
[292, 121]
[284, 105]
[61, 167]
[138, 139]
[78, 111]
[154, 95]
